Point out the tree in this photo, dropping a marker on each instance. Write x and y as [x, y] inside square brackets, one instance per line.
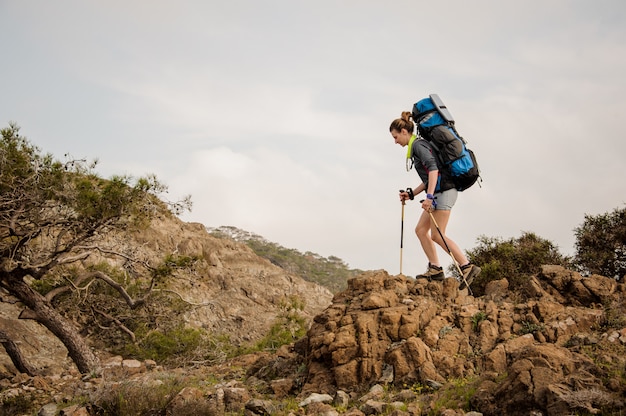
[54, 215]
[515, 259]
[601, 244]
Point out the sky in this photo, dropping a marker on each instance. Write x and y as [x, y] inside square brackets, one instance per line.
[274, 115]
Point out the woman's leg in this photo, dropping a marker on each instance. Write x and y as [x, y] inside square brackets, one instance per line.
[442, 217]
[423, 232]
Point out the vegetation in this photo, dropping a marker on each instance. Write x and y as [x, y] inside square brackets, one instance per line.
[330, 272]
[126, 399]
[455, 395]
[515, 259]
[601, 244]
[289, 326]
[600, 249]
[477, 318]
[531, 328]
[53, 216]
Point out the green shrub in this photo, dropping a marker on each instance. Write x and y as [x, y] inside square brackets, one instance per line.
[531, 328]
[455, 395]
[290, 325]
[477, 319]
[601, 244]
[515, 259]
[163, 346]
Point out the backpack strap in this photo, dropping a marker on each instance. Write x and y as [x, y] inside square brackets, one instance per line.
[409, 154]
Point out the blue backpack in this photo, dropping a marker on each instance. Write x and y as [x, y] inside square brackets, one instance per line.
[436, 124]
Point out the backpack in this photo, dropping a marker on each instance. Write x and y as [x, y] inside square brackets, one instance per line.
[436, 124]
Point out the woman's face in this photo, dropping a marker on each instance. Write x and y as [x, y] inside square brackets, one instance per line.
[401, 137]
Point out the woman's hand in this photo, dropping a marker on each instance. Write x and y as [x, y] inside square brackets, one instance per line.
[427, 205]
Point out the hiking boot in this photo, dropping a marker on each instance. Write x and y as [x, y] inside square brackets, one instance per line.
[432, 273]
[470, 271]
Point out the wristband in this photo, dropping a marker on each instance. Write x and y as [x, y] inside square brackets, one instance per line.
[430, 196]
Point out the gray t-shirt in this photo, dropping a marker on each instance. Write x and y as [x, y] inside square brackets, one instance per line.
[424, 160]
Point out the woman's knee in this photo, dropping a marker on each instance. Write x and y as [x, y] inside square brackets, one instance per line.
[421, 232]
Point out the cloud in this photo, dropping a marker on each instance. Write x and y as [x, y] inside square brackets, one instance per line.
[274, 115]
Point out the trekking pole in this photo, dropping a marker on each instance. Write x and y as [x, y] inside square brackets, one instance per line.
[401, 236]
[456, 263]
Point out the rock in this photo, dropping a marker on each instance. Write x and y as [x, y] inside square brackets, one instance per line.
[600, 286]
[20, 378]
[48, 410]
[113, 361]
[373, 407]
[342, 399]
[185, 399]
[534, 374]
[150, 364]
[260, 407]
[74, 410]
[405, 396]
[433, 384]
[379, 300]
[376, 392]
[235, 399]
[354, 412]
[321, 409]
[282, 387]
[316, 398]
[133, 366]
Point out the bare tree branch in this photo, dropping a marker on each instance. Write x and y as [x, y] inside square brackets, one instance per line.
[123, 327]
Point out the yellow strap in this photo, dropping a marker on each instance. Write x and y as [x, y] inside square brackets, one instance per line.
[410, 149]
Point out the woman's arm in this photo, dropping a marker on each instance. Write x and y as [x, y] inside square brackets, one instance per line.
[433, 176]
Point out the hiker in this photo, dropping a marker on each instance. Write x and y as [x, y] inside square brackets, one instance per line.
[441, 195]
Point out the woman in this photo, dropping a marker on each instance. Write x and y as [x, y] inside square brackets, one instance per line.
[440, 198]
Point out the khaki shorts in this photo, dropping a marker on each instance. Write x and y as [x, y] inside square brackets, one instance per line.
[446, 199]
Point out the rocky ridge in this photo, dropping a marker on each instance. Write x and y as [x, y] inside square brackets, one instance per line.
[554, 348]
[385, 345]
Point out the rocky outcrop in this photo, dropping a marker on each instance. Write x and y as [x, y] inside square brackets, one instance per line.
[525, 351]
[385, 345]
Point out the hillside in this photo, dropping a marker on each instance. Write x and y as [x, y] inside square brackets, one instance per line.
[388, 345]
[228, 293]
[330, 272]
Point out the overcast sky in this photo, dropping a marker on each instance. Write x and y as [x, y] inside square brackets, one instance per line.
[274, 115]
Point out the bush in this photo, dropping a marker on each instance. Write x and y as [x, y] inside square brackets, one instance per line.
[17, 405]
[156, 398]
[162, 346]
[289, 326]
[601, 244]
[515, 259]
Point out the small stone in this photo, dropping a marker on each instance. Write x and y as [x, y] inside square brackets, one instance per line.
[48, 410]
[316, 398]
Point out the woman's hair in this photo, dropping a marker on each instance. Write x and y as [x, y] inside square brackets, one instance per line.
[404, 122]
